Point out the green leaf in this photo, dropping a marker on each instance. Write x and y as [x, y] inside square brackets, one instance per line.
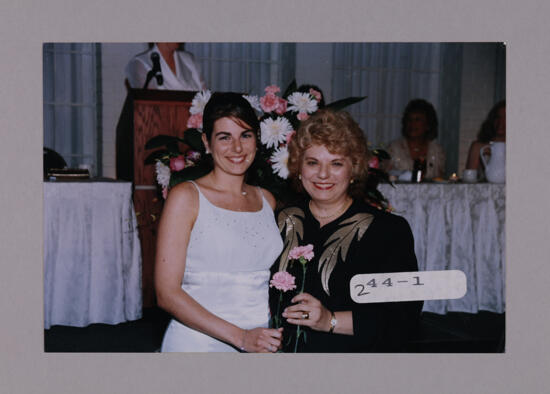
[173, 148]
[290, 89]
[161, 141]
[156, 155]
[382, 154]
[341, 104]
[193, 138]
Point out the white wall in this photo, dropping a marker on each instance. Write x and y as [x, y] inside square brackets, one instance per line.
[314, 66]
[114, 58]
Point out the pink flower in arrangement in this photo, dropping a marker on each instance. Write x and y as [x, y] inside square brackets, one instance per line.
[272, 89]
[177, 163]
[301, 251]
[315, 94]
[282, 281]
[164, 192]
[289, 136]
[302, 116]
[195, 121]
[269, 102]
[373, 162]
[281, 109]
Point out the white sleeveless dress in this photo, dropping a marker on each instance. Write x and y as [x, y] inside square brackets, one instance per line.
[227, 272]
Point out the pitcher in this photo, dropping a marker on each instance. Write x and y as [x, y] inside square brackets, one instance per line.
[495, 168]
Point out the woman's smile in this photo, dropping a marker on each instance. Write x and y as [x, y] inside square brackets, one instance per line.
[326, 176]
[233, 146]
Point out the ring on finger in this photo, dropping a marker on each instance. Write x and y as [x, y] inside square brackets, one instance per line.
[305, 315]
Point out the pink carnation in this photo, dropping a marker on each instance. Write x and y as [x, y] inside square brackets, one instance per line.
[272, 89]
[301, 251]
[302, 116]
[281, 109]
[373, 162]
[177, 163]
[269, 102]
[195, 121]
[315, 94]
[283, 281]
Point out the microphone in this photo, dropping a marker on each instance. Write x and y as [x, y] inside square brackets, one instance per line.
[155, 58]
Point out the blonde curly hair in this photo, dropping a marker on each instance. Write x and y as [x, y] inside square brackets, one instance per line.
[339, 134]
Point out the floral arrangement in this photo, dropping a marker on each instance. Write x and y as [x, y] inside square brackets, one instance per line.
[279, 115]
[284, 281]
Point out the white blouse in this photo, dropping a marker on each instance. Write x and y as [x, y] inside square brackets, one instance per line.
[187, 76]
[401, 158]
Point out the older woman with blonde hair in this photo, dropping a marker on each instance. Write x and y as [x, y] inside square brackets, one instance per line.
[328, 161]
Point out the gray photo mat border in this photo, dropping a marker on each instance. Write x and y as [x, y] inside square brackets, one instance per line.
[523, 368]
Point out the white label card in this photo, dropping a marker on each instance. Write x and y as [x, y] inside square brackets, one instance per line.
[408, 286]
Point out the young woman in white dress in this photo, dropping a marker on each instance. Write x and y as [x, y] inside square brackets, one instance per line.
[217, 239]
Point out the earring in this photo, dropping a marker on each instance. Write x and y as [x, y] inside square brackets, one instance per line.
[300, 176]
[207, 151]
[351, 181]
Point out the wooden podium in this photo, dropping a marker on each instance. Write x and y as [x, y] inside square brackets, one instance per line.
[147, 113]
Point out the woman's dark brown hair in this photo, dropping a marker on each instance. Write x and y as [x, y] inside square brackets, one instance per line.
[423, 107]
[487, 131]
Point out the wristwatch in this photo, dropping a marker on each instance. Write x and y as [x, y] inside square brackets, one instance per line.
[333, 323]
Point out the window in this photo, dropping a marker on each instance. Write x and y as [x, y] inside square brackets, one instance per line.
[72, 109]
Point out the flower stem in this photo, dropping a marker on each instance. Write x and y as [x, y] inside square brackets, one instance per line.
[277, 316]
[298, 331]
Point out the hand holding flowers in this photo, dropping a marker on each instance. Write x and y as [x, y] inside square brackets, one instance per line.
[304, 303]
[283, 281]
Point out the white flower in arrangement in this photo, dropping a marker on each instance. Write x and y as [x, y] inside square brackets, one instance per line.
[199, 101]
[279, 162]
[163, 174]
[254, 102]
[302, 102]
[274, 131]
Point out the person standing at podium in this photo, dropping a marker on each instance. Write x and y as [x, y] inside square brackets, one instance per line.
[173, 69]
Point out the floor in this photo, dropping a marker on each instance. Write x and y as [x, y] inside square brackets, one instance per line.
[451, 333]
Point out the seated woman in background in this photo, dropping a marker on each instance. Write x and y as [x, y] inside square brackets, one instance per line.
[178, 68]
[419, 129]
[493, 129]
[328, 159]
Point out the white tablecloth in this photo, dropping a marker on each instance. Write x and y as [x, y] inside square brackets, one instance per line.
[458, 226]
[92, 255]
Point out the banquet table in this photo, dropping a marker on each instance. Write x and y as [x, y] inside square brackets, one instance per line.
[92, 255]
[457, 226]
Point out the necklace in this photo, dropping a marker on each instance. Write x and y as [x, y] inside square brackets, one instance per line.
[336, 213]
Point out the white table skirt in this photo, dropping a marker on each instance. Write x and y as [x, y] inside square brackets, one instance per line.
[92, 255]
[458, 226]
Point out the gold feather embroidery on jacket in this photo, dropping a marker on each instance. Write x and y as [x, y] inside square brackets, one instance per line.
[290, 220]
[338, 244]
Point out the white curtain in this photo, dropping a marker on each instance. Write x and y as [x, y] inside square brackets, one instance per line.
[244, 67]
[71, 102]
[390, 75]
